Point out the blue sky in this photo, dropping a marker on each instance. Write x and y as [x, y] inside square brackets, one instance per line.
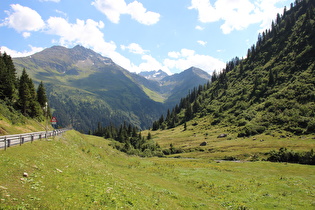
[140, 35]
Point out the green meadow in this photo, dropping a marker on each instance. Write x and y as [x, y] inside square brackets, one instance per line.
[76, 171]
[231, 147]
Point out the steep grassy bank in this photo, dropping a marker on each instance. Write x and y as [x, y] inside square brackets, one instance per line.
[13, 122]
[82, 172]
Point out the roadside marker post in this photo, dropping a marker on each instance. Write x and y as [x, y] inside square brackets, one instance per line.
[53, 122]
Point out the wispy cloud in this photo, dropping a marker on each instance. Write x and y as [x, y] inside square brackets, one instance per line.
[113, 10]
[199, 28]
[236, 14]
[203, 43]
[134, 48]
[26, 34]
[15, 54]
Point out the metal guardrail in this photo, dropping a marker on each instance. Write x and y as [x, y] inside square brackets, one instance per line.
[19, 139]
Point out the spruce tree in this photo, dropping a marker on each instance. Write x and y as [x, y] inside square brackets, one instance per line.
[35, 109]
[188, 113]
[24, 93]
[2, 78]
[8, 79]
[41, 95]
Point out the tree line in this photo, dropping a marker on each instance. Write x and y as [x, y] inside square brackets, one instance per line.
[129, 139]
[20, 92]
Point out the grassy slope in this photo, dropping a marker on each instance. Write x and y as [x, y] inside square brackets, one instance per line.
[15, 123]
[80, 172]
[230, 146]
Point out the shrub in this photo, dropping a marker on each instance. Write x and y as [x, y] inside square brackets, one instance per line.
[311, 126]
[166, 151]
[283, 155]
[158, 153]
[133, 152]
[251, 129]
[147, 153]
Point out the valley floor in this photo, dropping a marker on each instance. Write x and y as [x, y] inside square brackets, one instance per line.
[76, 171]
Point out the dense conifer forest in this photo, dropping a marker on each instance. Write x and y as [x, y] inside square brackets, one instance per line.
[19, 93]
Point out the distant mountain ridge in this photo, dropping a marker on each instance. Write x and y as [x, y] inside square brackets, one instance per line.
[154, 75]
[85, 88]
[175, 86]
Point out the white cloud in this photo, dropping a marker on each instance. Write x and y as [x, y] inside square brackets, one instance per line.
[206, 12]
[187, 58]
[134, 48]
[26, 34]
[23, 19]
[86, 33]
[267, 12]
[150, 64]
[140, 14]
[114, 8]
[187, 53]
[111, 8]
[199, 28]
[61, 12]
[203, 43]
[236, 14]
[174, 54]
[15, 54]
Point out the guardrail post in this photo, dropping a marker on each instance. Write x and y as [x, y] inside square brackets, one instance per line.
[9, 142]
[32, 138]
[20, 140]
[23, 140]
[5, 143]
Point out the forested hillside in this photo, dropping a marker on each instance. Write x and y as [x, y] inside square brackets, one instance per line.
[19, 93]
[273, 88]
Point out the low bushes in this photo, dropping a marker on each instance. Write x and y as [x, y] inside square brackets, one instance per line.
[283, 155]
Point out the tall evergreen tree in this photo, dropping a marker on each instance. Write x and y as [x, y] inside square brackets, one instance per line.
[35, 109]
[8, 79]
[24, 93]
[27, 102]
[41, 95]
[2, 78]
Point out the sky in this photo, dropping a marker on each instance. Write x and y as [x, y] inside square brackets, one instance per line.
[140, 35]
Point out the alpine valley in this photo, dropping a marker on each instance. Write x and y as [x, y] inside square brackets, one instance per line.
[243, 140]
[85, 88]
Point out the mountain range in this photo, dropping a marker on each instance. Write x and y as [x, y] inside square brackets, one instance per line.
[85, 88]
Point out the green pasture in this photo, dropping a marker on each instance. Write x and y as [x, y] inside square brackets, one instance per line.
[241, 148]
[76, 171]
